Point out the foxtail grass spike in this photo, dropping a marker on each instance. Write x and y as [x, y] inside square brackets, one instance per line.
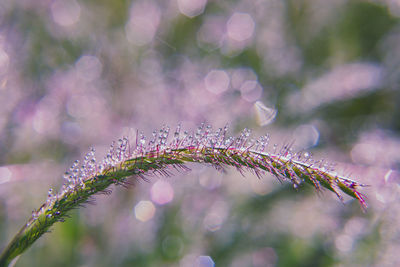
[161, 155]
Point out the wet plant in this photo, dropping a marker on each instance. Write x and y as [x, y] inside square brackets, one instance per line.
[162, 155]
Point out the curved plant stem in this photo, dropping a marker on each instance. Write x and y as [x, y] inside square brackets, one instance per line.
[159, 158]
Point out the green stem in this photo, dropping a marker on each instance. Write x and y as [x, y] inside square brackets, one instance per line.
[57, 208]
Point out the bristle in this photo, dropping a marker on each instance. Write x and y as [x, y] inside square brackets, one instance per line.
[163, 154]
[156, 156]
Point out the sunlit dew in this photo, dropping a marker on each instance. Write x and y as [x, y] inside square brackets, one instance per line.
[65, 13]
[204, 261]
[145, 210]
[162, 192]
[251, 91]
[217, 81]
[240, 26]
[143, 22]
[191, 8]
[88, 67]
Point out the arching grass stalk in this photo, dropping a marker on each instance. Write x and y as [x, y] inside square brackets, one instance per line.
[161, 156]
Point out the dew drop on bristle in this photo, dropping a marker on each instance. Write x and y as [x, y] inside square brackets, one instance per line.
[142, 140]
[207, 131]
[218, 139]
[175, 141]
[264, 141]
[247, 133]
[50, 196]
[198, 134]
[166, 132]
[228, 142]
[204, 142]
[101, 167]
[177, 131]
[120, 142]
[189, 141]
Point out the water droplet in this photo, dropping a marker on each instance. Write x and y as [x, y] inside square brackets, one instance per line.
[177, 131]
[190, 141]
[166, 132]
[199, 129]
[101, 167]
[142, 140]
[50, 193]
[74, 165]
[120, 142]
[229, 141]
[66, 175]
[275, 148]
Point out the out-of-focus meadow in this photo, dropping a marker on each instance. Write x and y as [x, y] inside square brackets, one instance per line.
[320, 75]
